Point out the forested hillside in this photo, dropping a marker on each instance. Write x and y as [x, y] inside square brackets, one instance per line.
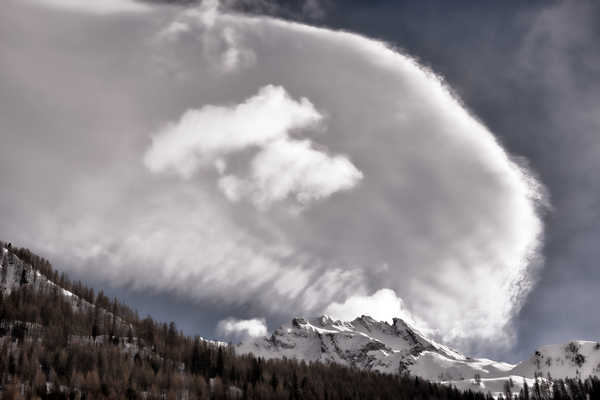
[60, 340]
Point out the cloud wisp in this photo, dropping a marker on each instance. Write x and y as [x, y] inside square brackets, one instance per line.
[242, 329]
[399, 186]
[104, 7]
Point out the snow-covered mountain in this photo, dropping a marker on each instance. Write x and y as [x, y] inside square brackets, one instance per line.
[399, 347]
[374, 345]
[577, 359]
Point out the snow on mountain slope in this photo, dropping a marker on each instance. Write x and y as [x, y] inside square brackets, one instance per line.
[15, 273]
[369, 344]
[577, 359]
[495, 386]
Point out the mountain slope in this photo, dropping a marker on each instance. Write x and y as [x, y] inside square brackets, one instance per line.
[576, 359]
[16, 274]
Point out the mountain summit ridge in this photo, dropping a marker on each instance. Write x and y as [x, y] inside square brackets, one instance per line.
[366, 343]
[370, 344]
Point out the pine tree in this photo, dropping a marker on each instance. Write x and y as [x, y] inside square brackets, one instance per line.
[274, 381]
[220, 367]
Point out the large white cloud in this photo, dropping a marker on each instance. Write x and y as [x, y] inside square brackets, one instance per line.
[427, 203]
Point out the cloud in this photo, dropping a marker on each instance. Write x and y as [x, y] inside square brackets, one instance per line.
[102, 7]
[223, 47]
[203, 136]
[240, 329]
[291, 167]
[311, 9]
[283, 167]
[448, 212]
[383, 305]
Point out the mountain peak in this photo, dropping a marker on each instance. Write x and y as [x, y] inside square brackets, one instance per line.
[363, 342]
[367, 319]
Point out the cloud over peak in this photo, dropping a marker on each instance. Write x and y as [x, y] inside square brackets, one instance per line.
[383, 305]
[240, 329]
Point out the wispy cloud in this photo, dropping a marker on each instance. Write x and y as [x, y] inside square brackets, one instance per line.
[101, 7]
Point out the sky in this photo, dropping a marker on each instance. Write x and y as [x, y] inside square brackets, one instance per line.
[229, 165]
